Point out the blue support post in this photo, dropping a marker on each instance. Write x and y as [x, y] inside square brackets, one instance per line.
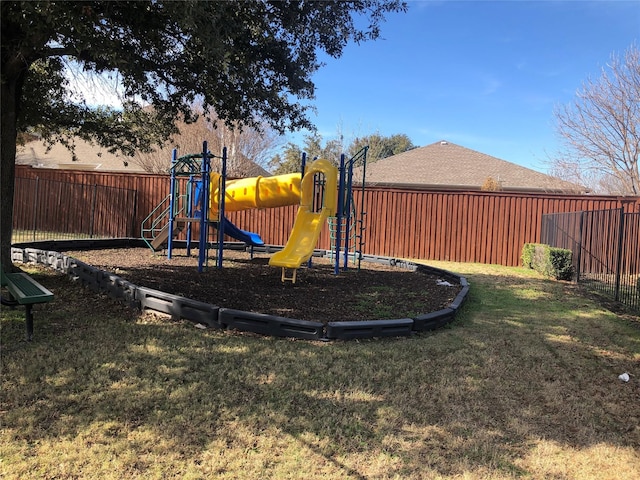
[347, 203]
[189, 212]
[339, 211]
[204, 227]
[223, 186]
[172, 201]
[302, 169]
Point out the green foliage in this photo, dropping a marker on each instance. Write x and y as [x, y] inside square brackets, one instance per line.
[561, 262]
[527, 254]
[291, 159]
[289, 162]
[251, 61]
[380, 146]
[549, 261]
[331, 150]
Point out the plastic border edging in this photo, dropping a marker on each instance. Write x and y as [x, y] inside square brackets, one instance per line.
[213, 316]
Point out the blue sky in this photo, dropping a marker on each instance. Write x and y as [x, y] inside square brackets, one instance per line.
[482, 74]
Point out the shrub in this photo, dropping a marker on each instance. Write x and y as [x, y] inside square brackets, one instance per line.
[491, 185]
[527, 254]
[561, 261]
[549, 261]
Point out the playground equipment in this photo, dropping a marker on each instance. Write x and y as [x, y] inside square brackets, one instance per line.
[201, 203]
[317, 203]
[324, 192]
[178, 211]
[347, 227]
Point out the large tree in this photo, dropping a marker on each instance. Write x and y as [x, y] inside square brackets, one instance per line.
[600, 130]
[249, 61]
[381, 146]
[249, 149]
[291, 158]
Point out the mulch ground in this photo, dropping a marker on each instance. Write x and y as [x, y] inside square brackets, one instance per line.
[373, 292]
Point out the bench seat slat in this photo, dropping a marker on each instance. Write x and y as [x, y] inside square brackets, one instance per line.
[25, 290]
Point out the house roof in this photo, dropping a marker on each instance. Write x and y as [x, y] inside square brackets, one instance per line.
[89, 157]
[446, 165]
[93, 157]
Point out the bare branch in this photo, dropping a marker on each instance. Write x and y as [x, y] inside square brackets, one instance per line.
[600, 129]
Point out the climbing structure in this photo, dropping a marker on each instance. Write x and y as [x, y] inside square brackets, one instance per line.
[347, 227]
[186, 205]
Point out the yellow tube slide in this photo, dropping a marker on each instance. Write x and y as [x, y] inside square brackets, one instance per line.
[256, 192]
[309, 223]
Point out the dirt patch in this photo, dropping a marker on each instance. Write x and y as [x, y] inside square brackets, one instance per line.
[374, 292]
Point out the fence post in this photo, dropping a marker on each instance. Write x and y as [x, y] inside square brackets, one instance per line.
[35, 209]
[93, 209]
[579, 249]
[134, 215]
[619, 254]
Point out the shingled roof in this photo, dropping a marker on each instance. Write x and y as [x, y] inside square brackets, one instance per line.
[92, 157]
[89, 157]
[445, 165]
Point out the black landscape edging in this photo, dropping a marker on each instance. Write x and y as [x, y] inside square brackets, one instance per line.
[433, 320]
[82, 244]
[118, 288]
[270, 324]
[178, 307]
[349, 330]
[212, 316]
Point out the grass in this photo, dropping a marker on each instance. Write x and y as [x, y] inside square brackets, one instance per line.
[523, 385]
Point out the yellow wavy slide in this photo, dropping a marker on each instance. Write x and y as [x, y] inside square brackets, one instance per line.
[309, 222]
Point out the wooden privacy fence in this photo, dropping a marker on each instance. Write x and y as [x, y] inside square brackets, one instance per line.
[49, 209]
[482, 227]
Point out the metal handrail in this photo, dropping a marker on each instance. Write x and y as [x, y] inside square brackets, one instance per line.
[158, 221]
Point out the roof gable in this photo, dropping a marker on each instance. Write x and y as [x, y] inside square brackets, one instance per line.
[447, 165]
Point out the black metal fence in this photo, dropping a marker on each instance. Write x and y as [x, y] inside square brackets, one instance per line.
[49, 209]
[606, 249]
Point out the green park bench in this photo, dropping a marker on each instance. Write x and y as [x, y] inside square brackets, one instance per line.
[24, 290]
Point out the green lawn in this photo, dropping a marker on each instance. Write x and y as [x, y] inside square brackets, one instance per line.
[523, 384]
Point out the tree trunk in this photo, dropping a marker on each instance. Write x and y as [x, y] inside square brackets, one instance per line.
[8, 130]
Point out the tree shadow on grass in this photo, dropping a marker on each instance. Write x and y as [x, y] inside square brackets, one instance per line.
[527, 360]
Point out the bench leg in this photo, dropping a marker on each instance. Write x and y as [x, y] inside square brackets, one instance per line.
[29, 322]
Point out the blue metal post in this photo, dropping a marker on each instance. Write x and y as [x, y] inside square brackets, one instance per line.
[189, 213]
[339, 216]
[172, 201]
[347, 223]
[223, 186]
[202, 253]
[302, 169]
